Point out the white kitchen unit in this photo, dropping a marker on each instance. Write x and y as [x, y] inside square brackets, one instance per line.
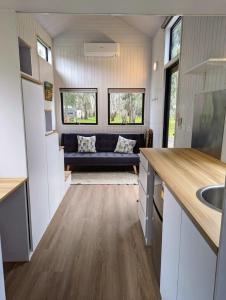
[55, 166]
[14, 226]
[170, 246]
[146, 188]
[33, 101]
[197, 265]
[188, 263]
[2, 283]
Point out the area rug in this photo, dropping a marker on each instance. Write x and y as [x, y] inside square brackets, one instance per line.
[104, 178]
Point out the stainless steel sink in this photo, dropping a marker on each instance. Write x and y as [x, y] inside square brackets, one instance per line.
[212, 196]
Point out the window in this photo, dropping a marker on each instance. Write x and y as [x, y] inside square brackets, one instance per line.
[172, 49]
[79, 106]
[175, 39]
[44, 51]
[126, 106]
[170, 106]
[25, 57]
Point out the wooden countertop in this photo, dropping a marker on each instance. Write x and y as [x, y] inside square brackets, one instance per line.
[8, 185]
[184, 171]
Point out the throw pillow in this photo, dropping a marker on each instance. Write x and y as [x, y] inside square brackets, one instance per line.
[125, 145]
[86, 144]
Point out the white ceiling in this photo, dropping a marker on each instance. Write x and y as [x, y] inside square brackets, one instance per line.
[146, 24]
[87, 26]
[132, 7]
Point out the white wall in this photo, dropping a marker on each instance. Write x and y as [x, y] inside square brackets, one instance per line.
[130, 70]
[12, 151]
[202, 38]
[28, 30]
[157, 89]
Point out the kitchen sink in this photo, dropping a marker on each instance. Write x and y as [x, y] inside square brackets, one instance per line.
[213, 196]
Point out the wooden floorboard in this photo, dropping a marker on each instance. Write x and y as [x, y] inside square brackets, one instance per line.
[92, 250]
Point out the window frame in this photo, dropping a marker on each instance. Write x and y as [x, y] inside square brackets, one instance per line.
[179, 19]
[47, 49]
[126, 90]
[169, 71]
[62, 105]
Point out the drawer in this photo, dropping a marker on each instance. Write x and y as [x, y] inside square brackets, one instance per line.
[143, 197]
[143, 178]
[144, 162]
[142, 218]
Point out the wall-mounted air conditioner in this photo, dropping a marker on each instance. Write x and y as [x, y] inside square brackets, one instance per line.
[102, 49]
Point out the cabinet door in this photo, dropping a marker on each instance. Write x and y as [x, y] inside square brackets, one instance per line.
[52, 150]
[36, 159]
[61, 174]
[170, 247]
[197, 264]
[2, 283]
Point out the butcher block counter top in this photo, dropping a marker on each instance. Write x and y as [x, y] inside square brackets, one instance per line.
[184, 171]
[9, 185]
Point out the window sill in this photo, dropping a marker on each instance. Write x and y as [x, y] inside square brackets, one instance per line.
[172, 62]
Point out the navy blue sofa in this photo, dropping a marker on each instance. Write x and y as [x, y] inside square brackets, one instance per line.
[105, 146]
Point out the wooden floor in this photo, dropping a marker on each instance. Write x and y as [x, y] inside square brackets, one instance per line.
[93, 249]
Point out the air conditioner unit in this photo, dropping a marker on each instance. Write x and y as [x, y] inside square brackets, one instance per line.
[102, 49]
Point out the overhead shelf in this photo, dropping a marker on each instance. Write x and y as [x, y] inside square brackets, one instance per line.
[207, 65]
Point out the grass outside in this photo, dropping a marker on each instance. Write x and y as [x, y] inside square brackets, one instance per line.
[91, 120]
[171, 130]
[118, 120]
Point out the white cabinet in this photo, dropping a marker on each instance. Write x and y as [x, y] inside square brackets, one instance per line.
[2, 283]
[188, 264]
[62, 190]
[55, 166]
[197, 264]
[170, 247]
[36, 159]
[144, 178]
[146, 183]
[14, 226]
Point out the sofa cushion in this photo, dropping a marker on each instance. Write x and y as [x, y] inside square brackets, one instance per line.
[101, 159]
[86, 144]
[104, 142]
[125, 145]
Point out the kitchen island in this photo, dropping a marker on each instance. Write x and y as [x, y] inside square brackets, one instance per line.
[190, 229]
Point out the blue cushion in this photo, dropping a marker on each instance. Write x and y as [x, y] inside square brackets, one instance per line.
[101, 159]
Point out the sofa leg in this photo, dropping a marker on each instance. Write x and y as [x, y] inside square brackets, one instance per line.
[67, 167]
[135, 169]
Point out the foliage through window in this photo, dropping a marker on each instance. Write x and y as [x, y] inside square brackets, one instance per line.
[175, 38]
[170, 106]
[126, 106]
[79, 106]
[44, 51]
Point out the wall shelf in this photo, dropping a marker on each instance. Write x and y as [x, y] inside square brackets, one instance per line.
[207, 65]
